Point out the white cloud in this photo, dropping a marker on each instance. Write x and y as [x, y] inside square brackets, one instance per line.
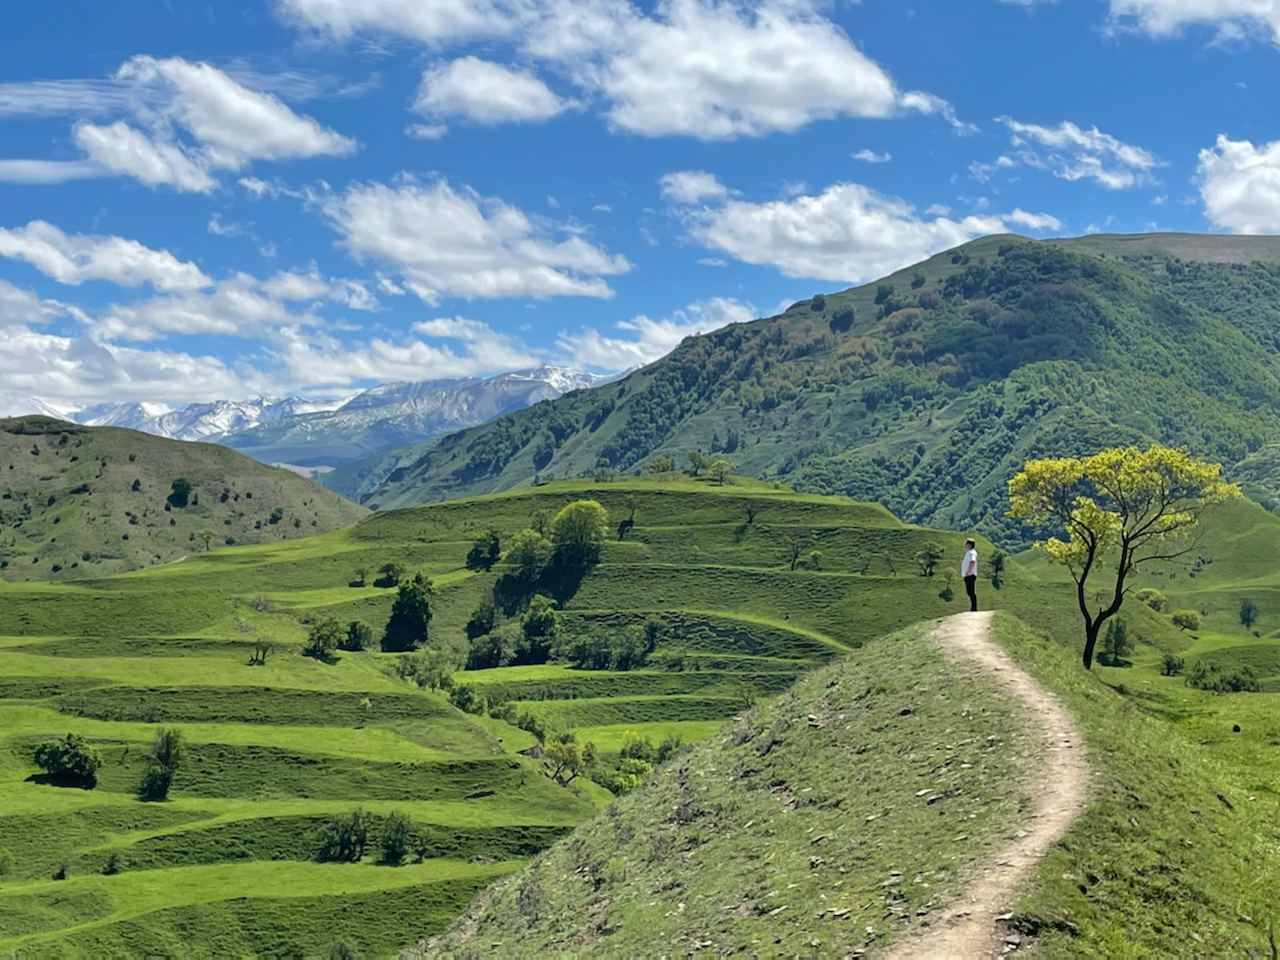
[848, 232]
[425, 131]
[1240, 185]
[237, 306]
[1231, 19]
[486, 92]
[75, 258]
[312, 286]
[123, 149]
[872, 156]
[49, 171]
[497, 351]
[691, 186]
[453, 242]
[711, 69]
[646, 339]
[1075, 153]
[233, 123]
[221, 228]
[19, 306]
[430, 21]
[1033, 221]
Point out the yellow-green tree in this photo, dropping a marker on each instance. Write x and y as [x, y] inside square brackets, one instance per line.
[1120, 508]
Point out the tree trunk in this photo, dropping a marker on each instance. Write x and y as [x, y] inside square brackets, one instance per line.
[1090, 641]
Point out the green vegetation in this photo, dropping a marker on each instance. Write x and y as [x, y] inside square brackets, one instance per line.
[929, 396]
[78, 502]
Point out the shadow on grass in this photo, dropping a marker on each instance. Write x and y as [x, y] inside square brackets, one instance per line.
[62, 780]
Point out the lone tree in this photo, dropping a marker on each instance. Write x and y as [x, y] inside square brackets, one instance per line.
[928, 558]
[1123, 506]
[718, 470]
[528, 555]
[697, 462]
[325, 637]
[167, 751]
[69, 761]
[1248, 613]
[579, 530]
[410, 616]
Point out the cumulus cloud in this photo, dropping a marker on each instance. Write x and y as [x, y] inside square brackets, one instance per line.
[691, 186]
[848, 232]
[486, 92]
[711, 69]
[1240, 185]
[75, 258]
[1075, 153]
[123, 149]
[643, 339]
[1231, 19]
[444, 241]
[1033, 221]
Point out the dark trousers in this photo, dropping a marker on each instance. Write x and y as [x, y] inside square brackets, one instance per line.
[969, 584]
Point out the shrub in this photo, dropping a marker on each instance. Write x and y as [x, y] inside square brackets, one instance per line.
[485, 551]
[1248, 613]
[69, 761]
[482, 619]
[1116, 644]
[395, 839]
[528, 554]
[842, 320]
[342, 950]
[1186, 620]
[466, 699]
[359, 636]
[389, 575]
[1154, 599]
[1206, 676]
[180, 493]
[112, 866]
[325, 637]
[343, 838]
[167, 750]
[494, 649]
[1171, 666]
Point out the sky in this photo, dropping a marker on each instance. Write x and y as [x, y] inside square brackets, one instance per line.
[220, 200]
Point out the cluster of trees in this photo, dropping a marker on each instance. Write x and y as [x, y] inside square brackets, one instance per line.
[345, 837]
[329, 635]
[717, 470]
[72, 762]
[634, 763]
[626, 649]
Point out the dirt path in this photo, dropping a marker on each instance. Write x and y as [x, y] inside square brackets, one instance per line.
[971, 928]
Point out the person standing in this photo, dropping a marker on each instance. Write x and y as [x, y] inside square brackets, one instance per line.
[969, 571]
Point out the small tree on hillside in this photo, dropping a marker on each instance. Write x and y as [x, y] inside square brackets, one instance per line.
[325, 637]
[528, 555]
[362, 576]
[568, 759]
[205, 537]
[410, 616]
[1117, 644]
[1186, 620]
[167, 754]
[359, 636]
[719, 470]
[1125, 506]
[996, 566]
[579, 530]
[1248, 613]
[538, 628]
[343, 838]
[69, 761]
[661, 465]
[928, 558]
[697, 462]
[485, 551]
[396, 837]
[180, 493]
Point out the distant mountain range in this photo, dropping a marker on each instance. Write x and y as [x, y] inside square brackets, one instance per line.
[320, 434]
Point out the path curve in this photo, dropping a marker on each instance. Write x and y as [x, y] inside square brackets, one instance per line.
[972, 927]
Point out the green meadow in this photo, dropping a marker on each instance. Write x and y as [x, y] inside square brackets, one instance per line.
[757, 597]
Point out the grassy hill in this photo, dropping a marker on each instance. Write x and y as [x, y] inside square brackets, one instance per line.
[928, 389]
[79, 501]
[225, 866]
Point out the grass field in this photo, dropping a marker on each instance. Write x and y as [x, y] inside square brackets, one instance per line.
[225, 867]
[276, 749]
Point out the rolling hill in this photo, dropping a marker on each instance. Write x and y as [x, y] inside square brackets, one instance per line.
[926, 390]
[79, 501]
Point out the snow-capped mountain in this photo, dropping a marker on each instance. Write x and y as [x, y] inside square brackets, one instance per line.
[14, 404]
[200, 421]
[393, 414]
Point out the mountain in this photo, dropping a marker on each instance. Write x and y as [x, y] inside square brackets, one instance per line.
[928, 389]
[199, 421]
[79, 501]
[395, 414]
[14, 404]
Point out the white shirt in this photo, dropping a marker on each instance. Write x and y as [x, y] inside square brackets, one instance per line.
[969, 566]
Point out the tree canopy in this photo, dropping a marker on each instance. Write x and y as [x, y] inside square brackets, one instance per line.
[579, 530]
[410, 616]
[1123, 507]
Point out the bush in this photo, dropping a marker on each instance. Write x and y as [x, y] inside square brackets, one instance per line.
[1171, 666]
[396, 836]
[167, 751]
[112, 866]
[389, 575]
[528, 555]
[628, 649]
[342, 950]
[1186, 620]
[491, 650]
[1205, 676]
[325, 637]
[842, 320]
[69, 761]
[485, 551]
[466, 699]
[1248, 613]
[359, 637]
[1154, 599]
[343, 838]
[1116, 644]
[180, 493]
[482, 619]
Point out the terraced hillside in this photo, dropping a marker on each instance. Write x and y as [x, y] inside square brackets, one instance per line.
[79, 501]
[226, 865]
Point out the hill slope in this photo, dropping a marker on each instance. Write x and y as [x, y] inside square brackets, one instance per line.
[927, 390]
[81, 501]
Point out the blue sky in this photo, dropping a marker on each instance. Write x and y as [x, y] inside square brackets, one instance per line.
[306, 196]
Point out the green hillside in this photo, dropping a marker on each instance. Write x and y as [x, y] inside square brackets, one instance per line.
[927, 390]
[79, 501]
[225, 866]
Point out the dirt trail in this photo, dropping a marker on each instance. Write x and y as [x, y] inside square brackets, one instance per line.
[971, 928]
